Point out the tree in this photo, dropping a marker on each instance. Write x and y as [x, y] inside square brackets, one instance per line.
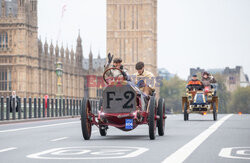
[240, 101]
[172, 90]
[222, 93]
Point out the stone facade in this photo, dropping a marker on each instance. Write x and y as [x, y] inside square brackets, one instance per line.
[132, 32]
[29, 67]
[19, 49]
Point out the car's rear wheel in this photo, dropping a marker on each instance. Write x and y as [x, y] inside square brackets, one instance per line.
[103, 130]
[151, 118]
[214, 111]
[186, 115]
[161, 114]
[86, 119]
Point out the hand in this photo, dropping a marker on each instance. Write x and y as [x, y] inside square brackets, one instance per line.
[110, 58]
[141, 84]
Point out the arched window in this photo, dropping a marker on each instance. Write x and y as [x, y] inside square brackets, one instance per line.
[5, 79]
[3, 40]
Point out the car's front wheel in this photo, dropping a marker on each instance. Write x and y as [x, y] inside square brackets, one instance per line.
[214, 111]
[186, 115]
[86, 123]
[151, 119]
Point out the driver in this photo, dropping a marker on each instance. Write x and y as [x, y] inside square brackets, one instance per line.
[117, 63]
[195, 84]
[141, 77]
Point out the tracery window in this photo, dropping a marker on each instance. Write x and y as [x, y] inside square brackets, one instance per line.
[4, 40]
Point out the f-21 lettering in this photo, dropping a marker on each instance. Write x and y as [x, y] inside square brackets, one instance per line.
[129, 95]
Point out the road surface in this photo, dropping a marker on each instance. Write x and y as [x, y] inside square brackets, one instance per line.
[60, 141]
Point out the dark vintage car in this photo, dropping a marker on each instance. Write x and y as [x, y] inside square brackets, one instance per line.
[123, 106]
[200, 101]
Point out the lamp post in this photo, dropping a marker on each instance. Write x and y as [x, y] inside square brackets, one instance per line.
[59, 73]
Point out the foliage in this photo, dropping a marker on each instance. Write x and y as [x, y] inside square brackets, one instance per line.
[240, 101]
[172, 90]
[223, 94]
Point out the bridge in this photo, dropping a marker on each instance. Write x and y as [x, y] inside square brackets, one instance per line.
[199, 140]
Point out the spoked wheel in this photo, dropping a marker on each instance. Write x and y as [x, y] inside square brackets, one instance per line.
[86, 119]
[186, 115]
[214, 112]
[161, 114]
[151, 119]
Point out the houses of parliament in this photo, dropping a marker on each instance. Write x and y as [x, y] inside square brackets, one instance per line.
[30, 67]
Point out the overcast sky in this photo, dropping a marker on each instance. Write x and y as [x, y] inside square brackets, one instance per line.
[191, 33]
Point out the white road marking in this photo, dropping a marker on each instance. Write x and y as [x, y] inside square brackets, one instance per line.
[43, 126]
[240, 153]
[89, 153]
[182, 153]
[7, 149]
[59, 139]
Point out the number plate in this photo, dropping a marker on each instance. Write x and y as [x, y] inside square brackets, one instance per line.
[129, 124]
[119, 99]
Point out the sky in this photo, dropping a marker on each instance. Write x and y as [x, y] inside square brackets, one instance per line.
[191, 33]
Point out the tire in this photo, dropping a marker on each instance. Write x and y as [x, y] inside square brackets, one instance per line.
[86, 124]
[186, 115]
[161, 113]
[103, 130]
[214, 112]
[151, 119]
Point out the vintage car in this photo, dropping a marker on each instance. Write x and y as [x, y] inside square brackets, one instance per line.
[200, 101]
[123, 106]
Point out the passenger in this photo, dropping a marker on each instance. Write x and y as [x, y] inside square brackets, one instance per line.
[195, 84]
[207, 79]
[14, 96]
[141, 79]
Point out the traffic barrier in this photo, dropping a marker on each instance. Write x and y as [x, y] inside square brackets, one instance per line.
[2, 109]
[8, 109]
[24, 108]
[52, 107]
[19, 104]
[39, 107]
[48, 108]
[63, 107]
[35, 109]
[43, 107]
[13, 102]
[32, 108]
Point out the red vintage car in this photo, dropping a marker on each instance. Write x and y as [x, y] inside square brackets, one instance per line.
[123, 106]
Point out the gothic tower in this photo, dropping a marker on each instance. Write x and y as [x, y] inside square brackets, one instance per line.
[132, 32]
[19, 47]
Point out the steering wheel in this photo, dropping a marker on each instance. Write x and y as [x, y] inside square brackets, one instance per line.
[108, 75]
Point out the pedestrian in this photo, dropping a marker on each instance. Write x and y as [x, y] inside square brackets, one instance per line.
[12, 97]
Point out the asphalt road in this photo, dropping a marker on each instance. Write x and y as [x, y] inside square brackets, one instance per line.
[197, 140]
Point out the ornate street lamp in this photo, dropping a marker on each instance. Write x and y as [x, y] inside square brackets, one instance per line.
[59, 73]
